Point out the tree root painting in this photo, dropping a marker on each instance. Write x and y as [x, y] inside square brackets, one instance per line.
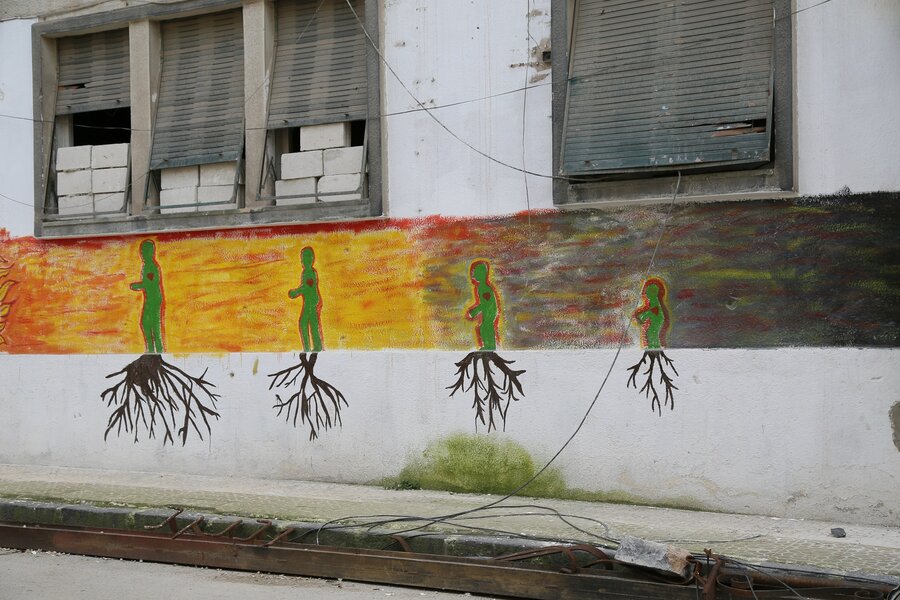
[653, 318]
[656, 360]
[316, 402]
[5, 286]
[494, 388]
[155, 396]
[485, 373]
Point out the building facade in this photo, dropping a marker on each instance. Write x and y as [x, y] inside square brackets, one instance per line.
[305, 239]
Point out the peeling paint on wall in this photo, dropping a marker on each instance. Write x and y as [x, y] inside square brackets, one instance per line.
[895, 424]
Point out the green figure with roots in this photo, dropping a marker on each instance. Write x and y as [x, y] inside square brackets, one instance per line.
[315, 401]
[484, 373]
[151, 394]
[310, 324]
[652, 316]
[154, 299]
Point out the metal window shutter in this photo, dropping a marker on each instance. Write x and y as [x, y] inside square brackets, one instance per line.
[93, 72]
[201, 92]
[320, 64]
[659, 84]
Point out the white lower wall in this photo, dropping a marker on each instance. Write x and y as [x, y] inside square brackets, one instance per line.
[16, 128]
[787, 432]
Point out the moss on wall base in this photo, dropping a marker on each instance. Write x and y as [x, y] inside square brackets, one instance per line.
[484, 464]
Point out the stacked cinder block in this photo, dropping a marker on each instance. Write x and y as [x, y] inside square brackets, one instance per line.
[91, 178]
[197, 185]
[326, 164]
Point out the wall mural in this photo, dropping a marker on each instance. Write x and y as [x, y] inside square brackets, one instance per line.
[315, 401]
[652, 316]
[6, 285]
[153, 394]
[738, 275]
[493, 383]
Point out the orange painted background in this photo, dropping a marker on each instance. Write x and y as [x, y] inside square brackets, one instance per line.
[758, 274]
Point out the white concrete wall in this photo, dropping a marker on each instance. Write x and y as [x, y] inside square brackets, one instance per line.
[847, 96]
[16, 128]
[811, 438]
[451, 52]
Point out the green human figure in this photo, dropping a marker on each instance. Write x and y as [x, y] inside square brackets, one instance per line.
[154, 299]
[486, 304]
[653, 315]
[310, 325]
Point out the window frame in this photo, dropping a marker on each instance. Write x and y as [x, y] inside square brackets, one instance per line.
[776, 176]
[142, 213]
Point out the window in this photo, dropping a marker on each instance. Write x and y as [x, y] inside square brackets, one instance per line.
[649, 89]
[198, 138]
[202, 114]
[91, 131]
[318, 125]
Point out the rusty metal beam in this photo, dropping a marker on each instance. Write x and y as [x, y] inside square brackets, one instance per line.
[600, 576]
[481, 576]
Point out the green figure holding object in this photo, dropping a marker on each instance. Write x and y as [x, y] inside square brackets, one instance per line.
[310, 325]
[653, 318]
[486, 304]
[653, 315]
[154, 299]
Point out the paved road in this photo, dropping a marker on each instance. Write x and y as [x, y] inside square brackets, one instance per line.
[42, 575]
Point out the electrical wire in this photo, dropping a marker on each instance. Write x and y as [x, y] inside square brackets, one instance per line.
[456, 515]
[524, 109]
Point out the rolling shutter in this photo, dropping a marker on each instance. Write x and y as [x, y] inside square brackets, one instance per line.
[320, 64]
[201, 94]
[93, 72]
[659, 84]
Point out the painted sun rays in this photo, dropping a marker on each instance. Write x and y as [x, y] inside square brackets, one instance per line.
[6, 285]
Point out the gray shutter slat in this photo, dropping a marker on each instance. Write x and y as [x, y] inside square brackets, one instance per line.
[321, 75]
[93, 72]
[201, 93]
[660, 84]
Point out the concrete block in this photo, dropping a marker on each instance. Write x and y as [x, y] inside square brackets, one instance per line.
[340, 161]
[73, 158]
[214, 193]
[295, 187]
[75, 204]
[329, 135]
[339, 183]
[109, 180]
[70, 183]
[109, 155]
[298, 165]
[180, 177]
[185, 195]
[653, 555]
[218, 173]
[114, 201]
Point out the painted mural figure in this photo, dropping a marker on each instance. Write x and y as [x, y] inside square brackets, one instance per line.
[315, 402]
[493, 382]
[310, 326]
[152, 394]
[486, 306]
[154, 300]
[652, 316]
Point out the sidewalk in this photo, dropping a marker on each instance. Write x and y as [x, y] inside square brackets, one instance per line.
[866, 550]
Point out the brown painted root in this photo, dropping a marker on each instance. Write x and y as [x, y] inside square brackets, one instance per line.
[491, 396]
[653, 358]
[316, 402]
[154, 394]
